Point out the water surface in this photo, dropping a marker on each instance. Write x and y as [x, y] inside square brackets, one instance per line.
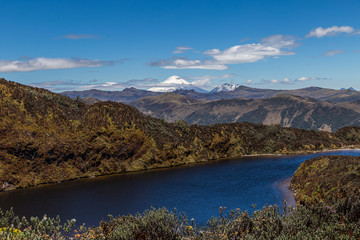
[198, 190]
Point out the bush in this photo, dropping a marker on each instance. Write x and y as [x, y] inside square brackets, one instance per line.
[12, 227]
[338, 221]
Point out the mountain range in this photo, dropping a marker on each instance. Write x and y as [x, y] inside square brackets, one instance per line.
[309, 108]
[286, 110]
[222, 92]
[48, 137]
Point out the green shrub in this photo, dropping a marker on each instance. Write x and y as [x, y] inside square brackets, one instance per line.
[338, 221]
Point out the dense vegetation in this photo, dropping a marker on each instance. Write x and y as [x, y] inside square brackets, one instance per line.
[327, 179]
[48, 137]
[338, 221]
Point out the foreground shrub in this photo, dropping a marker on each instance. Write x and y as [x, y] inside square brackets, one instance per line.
[152, 224]
[338, 221]
[12, 227]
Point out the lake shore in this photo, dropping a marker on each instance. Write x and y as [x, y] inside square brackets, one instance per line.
[287, 194]
[185, 164]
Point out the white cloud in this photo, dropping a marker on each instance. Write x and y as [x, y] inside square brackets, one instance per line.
[330, 31]
[202, 83]
[205, 81]
[280, 41]
[274, 81]
[181, 49]
[66, 85]
[195, 64]
[290, 81]
[303, 79]
[310, 78]
[247, 53]
[109, 84]
[71, 85]
[249, 81]
[224, 76]
[334, 52]
[42, 63]
[78, 36]
[286, 81]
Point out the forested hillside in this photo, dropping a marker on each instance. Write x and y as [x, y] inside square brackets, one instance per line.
[48, 137]
[327, 179]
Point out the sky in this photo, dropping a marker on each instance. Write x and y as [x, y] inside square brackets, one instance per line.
[111, 45]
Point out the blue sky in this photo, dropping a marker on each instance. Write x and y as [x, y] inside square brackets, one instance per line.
[110, 45]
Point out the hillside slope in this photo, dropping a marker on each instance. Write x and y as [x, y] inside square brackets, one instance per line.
[286, 110]
[327, 179]
[48, 137]
[126, 95]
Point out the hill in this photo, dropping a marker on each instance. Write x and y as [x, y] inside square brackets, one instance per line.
[327, 179]
[286, 110]
[47, 137]
[126, 95]
[163, 106]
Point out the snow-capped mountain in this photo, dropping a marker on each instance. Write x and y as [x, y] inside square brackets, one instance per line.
[174, 83]
[226, 87]
[350, 88]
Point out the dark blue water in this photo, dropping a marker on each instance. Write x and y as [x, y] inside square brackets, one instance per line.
[197, 190]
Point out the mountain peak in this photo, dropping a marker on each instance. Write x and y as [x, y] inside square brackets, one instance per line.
[226, 87]
[350, 88]
[174, 83]
[176, 80]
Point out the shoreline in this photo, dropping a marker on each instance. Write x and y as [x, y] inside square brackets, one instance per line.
[287, 194]
[186, 164]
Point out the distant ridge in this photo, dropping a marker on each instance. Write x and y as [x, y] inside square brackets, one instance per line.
[126, 95]
[350, 88]
[286, 110]
[132, 94]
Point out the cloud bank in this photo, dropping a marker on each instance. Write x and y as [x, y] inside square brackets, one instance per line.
[290, 81]
[42, 63]
[330, 31]
[181, 49]
[78, 36]
[205, 81]
[65, 85]
[216, 59]
[334, 52]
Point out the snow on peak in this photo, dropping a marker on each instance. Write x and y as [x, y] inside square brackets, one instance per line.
[350, 88]
[174, 83]
[226, 87]
[175, 80]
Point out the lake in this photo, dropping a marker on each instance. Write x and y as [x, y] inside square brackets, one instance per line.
[198, 190]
